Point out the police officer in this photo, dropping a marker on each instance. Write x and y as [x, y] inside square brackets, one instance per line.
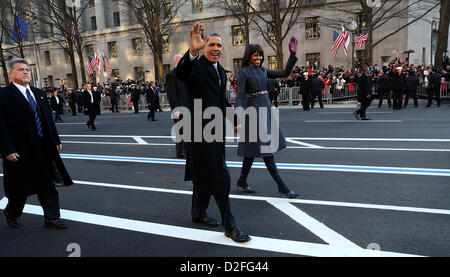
[273, 87]
[435, 87]
[306, 91]
[317, 87]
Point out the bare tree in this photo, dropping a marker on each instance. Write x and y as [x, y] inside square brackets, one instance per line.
[276, 19]
[442, 41]
[378, 16]
[76, 13]
[157, 20]
[240, 10]
[2, 59]
[13, 25]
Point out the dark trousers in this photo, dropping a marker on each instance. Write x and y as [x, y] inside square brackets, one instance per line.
[48, 198]
[397, 98]
[151, 113]
[180, 147]
[384, 93]
[136, 106]
[274, 99]
[319, 96]
[305, 101]
[437, 95]
[413, 94]
[73, 109]
[80, 108]
[92, 116]
[114, 106]
[365, 103]
[57, 116]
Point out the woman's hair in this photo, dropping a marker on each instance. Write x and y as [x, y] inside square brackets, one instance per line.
[249, 51]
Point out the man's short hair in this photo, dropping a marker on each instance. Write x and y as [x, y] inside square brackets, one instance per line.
[12, 62]
[213, 35]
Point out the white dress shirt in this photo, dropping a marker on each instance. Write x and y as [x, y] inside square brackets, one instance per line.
[92, 97]
[23, 90]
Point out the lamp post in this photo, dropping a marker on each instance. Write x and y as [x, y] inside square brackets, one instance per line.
[352, 28]
[434, 31]
[408, 52]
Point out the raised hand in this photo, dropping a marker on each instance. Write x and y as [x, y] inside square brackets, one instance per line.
[293, 46]
[197, 42]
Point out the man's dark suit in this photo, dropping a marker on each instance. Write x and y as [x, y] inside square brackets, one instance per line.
[73, 102]
[57, 106]
[205, 161]
[39, 164]
[152, 101]
[178, 96]
[364, 94]
[273, 88]
[91, 105]
[135, 96]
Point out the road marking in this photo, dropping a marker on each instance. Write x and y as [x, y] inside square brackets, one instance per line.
[303, 143]
[294, 138]
[353, 121]
[319, 229]
[351, 113]
[290, 166]
[257, 243]
[267, 199]
[139, 140]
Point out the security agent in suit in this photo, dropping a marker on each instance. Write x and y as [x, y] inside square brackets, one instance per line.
[97, 99]
[80, 101]
[135, 97]
[435, 87]
[152, 101]
[178, 96]
[90, 106]
[364, 93]
[384, 88]
[398, 87]
[273, 87]
[205, 161]
[57, 105]
[29, 146]
[317, 86]
[72, 101]
[412, 82]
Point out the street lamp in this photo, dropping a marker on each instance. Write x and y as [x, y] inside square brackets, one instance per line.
[408, 52]
[353, 26]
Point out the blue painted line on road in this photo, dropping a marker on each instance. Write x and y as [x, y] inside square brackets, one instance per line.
[363, 169]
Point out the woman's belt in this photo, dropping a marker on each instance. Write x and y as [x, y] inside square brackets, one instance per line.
[257, 93]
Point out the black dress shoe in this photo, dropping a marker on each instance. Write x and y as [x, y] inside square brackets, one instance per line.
[237, 235]
[206, 221]
[89, 125]
[290, 194]
[155, 119]
[55, 223]
[12, 222]
[365, 118]
[181, 155]
[246, 188]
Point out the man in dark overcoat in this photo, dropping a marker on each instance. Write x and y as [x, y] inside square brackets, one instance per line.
[152, 101]
[205, 161]
[364, 93]
[178, 96]
[90, 106]
[29, 146]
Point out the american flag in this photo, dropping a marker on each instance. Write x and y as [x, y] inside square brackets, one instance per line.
[98, 62]
[363, 38]
[93, 61]
[346, 40]
[74, 28]
[108, 65]
[338, 39]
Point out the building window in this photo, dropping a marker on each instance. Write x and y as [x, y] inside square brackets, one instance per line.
[237, 66]
[94, 23]
[271, 30]
[165, 43]
[116, 16]
[238, 35]
[197, 6]
[90, 50]
[48, 61]
[139, 73]
[115, 73]
[168, 13]
[237, 4]
[137, 46]
[361, 56]
[92, 3]
[50, 81]
[273, 63]
[112, 49]
[313, 60]
[361, 21]
[312, 27]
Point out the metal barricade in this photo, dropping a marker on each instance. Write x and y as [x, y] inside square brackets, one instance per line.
[445, 93]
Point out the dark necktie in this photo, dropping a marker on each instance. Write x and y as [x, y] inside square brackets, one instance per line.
[36, 114]
[218, 75]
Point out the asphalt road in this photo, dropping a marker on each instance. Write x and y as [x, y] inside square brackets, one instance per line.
[381, 184]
